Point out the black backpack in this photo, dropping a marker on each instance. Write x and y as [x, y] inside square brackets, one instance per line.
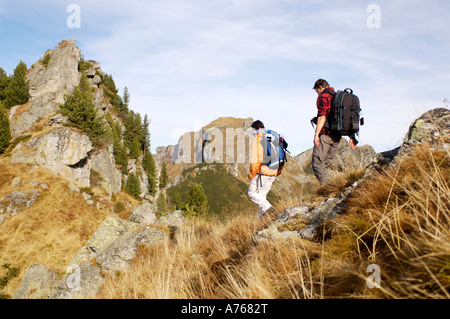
[344, 117]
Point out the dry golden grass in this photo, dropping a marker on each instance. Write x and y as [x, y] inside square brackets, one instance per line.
[216, 260]
[398, 219]
[51, 231]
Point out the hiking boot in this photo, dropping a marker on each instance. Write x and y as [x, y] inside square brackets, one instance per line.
[270, 211]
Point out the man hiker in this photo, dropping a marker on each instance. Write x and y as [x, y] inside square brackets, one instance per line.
[326, 142]
[262, 177]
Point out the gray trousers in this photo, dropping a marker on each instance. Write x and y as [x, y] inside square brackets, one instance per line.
[325, 155]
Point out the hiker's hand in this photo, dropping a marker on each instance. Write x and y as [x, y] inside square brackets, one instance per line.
[352, 144]
[316, 141]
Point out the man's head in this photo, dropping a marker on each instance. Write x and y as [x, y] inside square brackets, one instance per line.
[257, 125]
[320, 86]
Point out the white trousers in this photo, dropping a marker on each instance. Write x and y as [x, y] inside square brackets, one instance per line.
[258, 193]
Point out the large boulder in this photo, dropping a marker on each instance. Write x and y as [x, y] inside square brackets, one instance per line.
[108, 231]
[144, 214]
[175, 218]
[83, 283]
[120, 253]
[64, 151]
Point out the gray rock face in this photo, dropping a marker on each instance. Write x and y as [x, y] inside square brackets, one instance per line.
[175, 218]
[119, 254]
[432, 127]
[48, 85]
[13, 203]
[36, 284]
[103, 163]
[108, 231]
[63, 151]
[302, 221]
[143, 214]
[83, 283]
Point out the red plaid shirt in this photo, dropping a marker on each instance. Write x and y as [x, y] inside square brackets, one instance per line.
[324, 107]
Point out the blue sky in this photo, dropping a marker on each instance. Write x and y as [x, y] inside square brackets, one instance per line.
[188, 62]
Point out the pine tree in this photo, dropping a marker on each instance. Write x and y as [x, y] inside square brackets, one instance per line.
[129, 134]
[135, 149]
[149, 166]
[133, 186]
[80, 109]
[125, 107]
[161, 203]
[5, 133]
[196, 204]
[163, 177]
[146, 134]
[111, 92]
[4, 80]
[176, 201]
[17, 89]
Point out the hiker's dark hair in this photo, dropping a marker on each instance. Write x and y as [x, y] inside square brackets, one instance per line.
[257, 125]
[321, 83]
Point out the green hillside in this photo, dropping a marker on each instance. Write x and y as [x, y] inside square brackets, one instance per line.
[226, 194]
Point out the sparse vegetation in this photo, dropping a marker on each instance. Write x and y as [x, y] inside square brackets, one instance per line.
[46, 60]
[5, 133]
[17, 140]
[12, 272]
[84, 65]
[81, 112]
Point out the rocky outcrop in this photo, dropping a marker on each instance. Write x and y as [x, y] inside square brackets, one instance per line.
[48, 85]
[36, 284]
[108, 231]
[432, 127]
[63, 151]
[112, 248]
[120, 253]
[83, 283]
[303, 221]
[13, 203]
